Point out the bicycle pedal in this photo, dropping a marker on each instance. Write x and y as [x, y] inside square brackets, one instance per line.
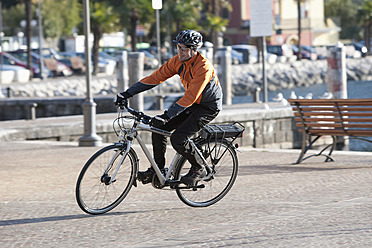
[174, 183]
[194, 188]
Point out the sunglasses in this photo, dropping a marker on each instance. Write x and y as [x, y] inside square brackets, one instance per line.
[182, 49]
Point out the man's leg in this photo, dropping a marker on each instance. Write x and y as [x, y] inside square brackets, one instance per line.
[198, 118]
[159, 144]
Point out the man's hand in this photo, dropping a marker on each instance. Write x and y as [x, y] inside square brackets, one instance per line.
[120, 97]
[159, 120]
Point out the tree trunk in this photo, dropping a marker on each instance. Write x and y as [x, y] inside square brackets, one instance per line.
[368, 37]
[28, 32]
[214, 34]
[97, 34]
[299, 55]
[133, 24]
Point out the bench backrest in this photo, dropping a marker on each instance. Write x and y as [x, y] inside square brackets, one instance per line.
[350, 117]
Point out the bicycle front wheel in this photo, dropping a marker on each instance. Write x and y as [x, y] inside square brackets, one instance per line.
[106, 179]
[224, 162]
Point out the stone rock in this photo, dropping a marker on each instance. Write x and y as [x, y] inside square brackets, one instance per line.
[245, 78]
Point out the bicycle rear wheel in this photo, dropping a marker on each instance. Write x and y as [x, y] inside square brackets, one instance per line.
[224, 162]
[102, 185]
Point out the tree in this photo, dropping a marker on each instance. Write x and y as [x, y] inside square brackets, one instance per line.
[365, 18]
[59, 17]
[214, 22]
[103, 20]
[11, 19]
[136, 12]
[346, 11]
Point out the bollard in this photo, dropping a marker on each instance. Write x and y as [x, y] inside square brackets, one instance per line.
[122, 70]
[336, 76]
[8, 92]
[160, 102]
[31, 111]
[256, 94]
[224, 75]
[136, 62]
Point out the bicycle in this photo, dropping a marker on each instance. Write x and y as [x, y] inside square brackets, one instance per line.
[108, 176]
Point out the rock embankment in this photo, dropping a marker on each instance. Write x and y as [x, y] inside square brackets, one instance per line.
[245, 78]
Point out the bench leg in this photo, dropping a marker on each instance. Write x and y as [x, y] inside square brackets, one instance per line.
[333, 146]
[305, 148]
[311, 142]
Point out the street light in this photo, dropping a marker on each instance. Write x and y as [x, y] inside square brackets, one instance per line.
[90, 138]
[40, 39]
[156, 5]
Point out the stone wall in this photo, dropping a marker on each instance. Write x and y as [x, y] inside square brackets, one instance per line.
[245, 78]
[19, 108]
[264, 128]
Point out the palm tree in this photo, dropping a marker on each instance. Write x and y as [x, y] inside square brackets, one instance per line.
[104, 20]
[365, 17]
[299, 28]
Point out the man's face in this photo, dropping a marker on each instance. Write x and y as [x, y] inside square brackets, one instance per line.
[184, 53]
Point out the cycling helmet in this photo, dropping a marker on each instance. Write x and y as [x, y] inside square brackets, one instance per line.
[190, 38]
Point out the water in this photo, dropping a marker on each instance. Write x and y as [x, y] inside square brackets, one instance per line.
[355, 89]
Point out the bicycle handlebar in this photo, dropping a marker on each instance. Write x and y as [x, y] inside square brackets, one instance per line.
[146, 119]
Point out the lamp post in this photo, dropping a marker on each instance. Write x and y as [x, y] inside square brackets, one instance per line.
[1, 46]
[90, 138]
[40, 39]
[156, 5]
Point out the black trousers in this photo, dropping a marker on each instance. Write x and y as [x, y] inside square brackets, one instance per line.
[186, 124]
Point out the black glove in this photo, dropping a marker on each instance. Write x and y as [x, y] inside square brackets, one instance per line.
[159, 120]
[120, 97]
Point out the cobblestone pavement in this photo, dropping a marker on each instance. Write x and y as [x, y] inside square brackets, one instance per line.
[273, 203]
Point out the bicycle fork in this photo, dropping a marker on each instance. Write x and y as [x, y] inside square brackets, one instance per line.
[109, 180]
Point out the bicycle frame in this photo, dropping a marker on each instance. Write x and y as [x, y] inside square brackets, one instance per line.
[138, 126]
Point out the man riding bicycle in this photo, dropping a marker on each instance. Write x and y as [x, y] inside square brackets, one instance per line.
[200, 104]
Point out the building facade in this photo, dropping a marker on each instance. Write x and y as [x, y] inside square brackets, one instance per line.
[315, 29]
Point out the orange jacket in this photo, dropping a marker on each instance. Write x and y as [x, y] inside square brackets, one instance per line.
[198, 77]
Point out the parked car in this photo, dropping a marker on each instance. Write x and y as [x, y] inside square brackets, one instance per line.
[359, 46]
[250, 54]
[284, 52]
[351, 52]
[321, 51]
[57, 68]
[236, 57]
[74, 63]
[164, 55]
[307, 52]
[369, 48]
[9, 59]
[20, 74]
[104, 66]
[151, 62]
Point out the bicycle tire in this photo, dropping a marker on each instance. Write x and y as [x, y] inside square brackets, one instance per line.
[94, 194]
[226, 171]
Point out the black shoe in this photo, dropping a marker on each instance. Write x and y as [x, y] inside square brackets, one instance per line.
[146, 176]
[193, 176]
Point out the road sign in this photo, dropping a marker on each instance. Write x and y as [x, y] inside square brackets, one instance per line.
[157, 4]
[261, 18]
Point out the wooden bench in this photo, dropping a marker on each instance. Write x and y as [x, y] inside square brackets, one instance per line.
[333, 117]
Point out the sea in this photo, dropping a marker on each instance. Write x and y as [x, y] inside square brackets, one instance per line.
[355, 89]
